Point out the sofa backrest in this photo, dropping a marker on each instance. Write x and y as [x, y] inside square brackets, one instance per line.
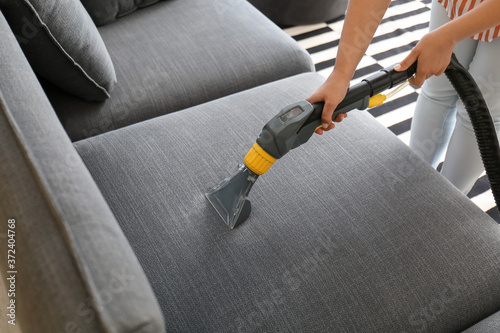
[106, 11]
[73, 270]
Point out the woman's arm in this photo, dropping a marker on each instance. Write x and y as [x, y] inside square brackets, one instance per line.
[434, 50]
[362, 20]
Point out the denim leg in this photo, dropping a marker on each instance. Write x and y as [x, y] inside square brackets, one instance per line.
[434, 118]
[463, 164]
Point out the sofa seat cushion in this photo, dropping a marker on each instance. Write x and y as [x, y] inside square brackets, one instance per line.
[177, 54]
[103, 12]
[351, 232]
[62, 45]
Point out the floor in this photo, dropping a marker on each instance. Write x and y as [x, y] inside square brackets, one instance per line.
[405, 22]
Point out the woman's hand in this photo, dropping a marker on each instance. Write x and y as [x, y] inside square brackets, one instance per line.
[331, 92]
[433, 53]
[434, 49]
[361, 20]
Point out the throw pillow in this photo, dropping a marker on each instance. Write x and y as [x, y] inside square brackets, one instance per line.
[62, 45]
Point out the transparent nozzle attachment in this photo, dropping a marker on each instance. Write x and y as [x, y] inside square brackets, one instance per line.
[230, 196]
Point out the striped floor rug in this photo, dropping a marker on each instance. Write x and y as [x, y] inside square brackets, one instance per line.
[405, 22]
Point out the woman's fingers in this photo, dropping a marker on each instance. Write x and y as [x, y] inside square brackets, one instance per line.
[321, 130]
[433, 53]
[340, 117]
[331, 126]
[331, 92]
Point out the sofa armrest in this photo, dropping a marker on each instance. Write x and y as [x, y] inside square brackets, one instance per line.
[73, 268]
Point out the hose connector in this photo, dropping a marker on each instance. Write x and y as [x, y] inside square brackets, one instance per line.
[258, 160]
[377, 100]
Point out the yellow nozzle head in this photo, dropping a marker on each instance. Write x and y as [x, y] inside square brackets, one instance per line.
[258, 160]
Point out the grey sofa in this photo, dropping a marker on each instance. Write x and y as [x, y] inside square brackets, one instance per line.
[349, 233]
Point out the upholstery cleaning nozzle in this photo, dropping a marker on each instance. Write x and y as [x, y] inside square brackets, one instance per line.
[290, 128]
[229, 196]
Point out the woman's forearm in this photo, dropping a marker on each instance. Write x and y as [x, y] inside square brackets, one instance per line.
[362, 20]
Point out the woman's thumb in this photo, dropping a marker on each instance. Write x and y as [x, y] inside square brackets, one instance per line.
[407, 62]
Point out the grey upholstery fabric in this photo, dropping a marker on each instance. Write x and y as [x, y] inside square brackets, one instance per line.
[62, 45]
[349, 233]
[488, 325]
[177, 54]
[297, 12]
[76, 272]
[107, 11]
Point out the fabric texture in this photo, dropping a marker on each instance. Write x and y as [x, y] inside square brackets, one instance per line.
[103, 12]
[62, 45]
[351, 232]
[76, 272]
[488, 325]
[176, 54]
[441, 126]
[455, 8]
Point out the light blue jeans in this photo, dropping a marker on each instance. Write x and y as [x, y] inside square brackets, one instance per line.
[441, 124]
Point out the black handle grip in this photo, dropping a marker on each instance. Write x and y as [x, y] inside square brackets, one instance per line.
[359, 94]
[388, 78]
[279, 136]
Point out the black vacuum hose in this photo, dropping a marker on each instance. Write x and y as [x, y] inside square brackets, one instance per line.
[480, 117]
